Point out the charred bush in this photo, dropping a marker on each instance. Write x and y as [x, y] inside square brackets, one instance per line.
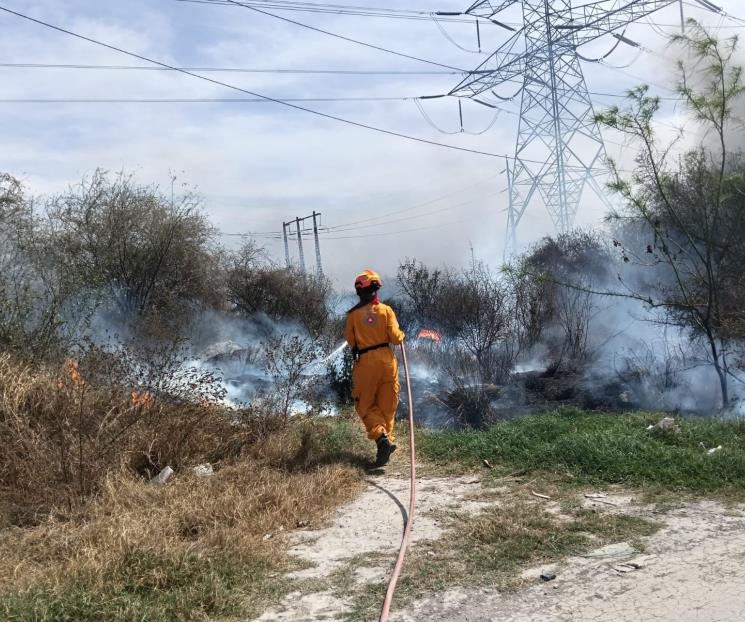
[288, 362]
[554, 295]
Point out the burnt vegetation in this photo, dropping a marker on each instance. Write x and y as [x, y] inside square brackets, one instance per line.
[648, 313]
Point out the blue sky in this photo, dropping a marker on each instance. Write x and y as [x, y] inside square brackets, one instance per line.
[258, 165]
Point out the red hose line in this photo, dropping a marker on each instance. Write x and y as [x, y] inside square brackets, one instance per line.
[412, 501]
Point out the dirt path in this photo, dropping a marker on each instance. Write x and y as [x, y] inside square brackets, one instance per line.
[371, 525]
[691, 569]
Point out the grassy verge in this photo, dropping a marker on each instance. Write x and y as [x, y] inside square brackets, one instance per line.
[194, 549]
[592, 448]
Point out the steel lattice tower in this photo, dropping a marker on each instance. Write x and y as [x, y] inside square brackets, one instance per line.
[559, 149]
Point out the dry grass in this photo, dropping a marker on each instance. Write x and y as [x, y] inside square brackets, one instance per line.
[118, 548]
[192, 549]
[62, 437]
[231, 511]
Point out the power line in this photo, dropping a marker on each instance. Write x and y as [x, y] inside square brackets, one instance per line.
[361, 72]
[246, 91]
[259, 95]
[342, 37]
[193, 100]
[306, 7]
[389, 233]
[354, 237]
[341, 229]
[414, 207]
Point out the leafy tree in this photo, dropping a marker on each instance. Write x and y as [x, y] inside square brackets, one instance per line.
[688, 211]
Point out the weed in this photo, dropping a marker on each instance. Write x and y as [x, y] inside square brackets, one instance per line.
[593, 448]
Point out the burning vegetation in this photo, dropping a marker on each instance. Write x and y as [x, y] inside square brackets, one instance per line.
[131, 342]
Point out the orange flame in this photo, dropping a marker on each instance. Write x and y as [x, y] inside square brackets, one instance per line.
[144, 399]
[428, 333]
[204, 402]
[74, 372]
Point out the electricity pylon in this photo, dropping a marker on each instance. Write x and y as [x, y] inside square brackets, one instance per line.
[559, 149]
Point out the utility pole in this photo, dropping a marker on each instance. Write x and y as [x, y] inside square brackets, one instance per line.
[319, 268]
[300, 245]
[287, 245]
[299, 231]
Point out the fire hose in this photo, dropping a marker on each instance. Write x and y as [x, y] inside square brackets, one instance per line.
[412, 500]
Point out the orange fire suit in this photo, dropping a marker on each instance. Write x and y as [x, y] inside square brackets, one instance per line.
[375, 385]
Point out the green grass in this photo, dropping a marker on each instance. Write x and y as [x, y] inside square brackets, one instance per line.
[597, 448]
[148, 586]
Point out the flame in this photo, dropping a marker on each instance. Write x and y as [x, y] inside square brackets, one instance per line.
[428, 333]
[144, 399]
[74, 372]
[204, 402]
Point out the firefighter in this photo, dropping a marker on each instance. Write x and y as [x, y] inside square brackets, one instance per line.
[370, 331]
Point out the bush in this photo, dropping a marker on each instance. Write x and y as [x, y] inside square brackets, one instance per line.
[255, 285]
[62, 435]
[31, 301]
[473, 309]
[132, 249]
[555, 305]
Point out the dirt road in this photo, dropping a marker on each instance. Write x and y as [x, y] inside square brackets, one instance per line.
[691, 569]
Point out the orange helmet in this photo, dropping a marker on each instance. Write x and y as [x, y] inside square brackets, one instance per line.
[366, 279]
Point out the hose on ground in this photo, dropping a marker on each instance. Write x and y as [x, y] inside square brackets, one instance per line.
[412, 500]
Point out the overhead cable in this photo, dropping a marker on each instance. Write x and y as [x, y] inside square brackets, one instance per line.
[447, 36]
[447, 208]
[429, 120]
[362, 72]
[388, 13]
[246, 91]
[193, 100]
[342, 37]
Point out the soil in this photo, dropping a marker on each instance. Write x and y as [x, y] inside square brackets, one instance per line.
[690, 569]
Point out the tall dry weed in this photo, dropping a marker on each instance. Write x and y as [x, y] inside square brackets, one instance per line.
[62, 436]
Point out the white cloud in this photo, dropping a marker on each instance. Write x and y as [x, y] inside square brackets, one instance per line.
[260, 164]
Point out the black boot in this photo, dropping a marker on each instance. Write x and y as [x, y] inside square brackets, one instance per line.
[385, 449]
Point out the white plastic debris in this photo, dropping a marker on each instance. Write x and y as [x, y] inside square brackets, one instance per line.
[162, 477]
[204, 470]
[714, 450]
[666, 423]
